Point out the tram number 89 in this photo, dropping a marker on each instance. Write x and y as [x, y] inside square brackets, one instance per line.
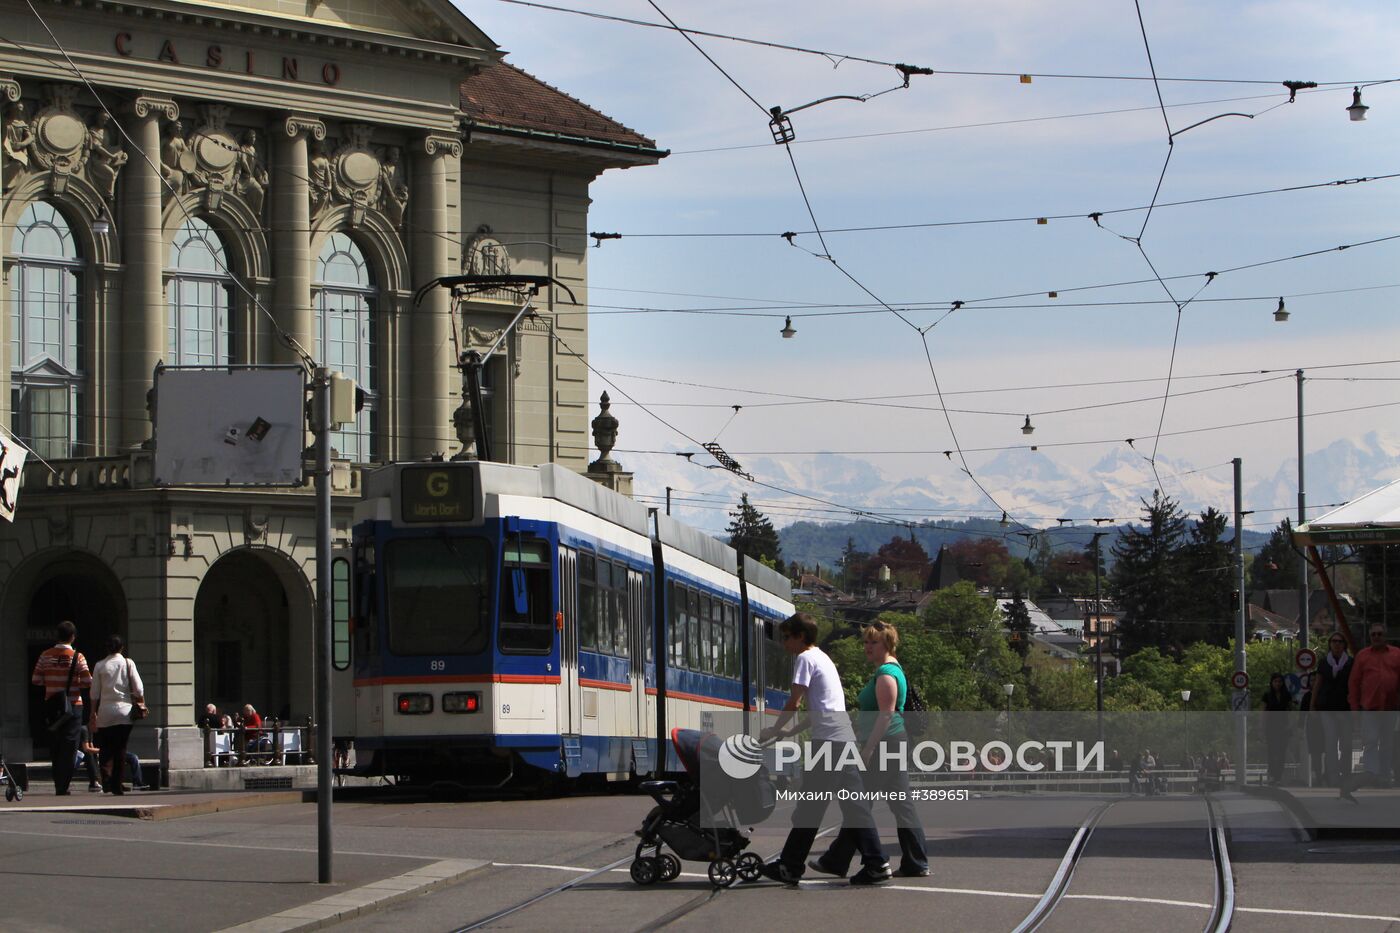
[437, 665]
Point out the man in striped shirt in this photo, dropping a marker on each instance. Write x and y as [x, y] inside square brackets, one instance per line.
[51, 673]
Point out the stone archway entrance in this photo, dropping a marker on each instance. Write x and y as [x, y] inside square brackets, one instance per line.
[84, 591]
[250, 639]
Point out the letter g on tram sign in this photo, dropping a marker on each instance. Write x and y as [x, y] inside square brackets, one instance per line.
[438, 484]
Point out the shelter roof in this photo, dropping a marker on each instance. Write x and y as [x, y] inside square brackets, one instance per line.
[1373, 518]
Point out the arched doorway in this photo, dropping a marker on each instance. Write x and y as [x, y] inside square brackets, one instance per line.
[249, 638]
[83, 590]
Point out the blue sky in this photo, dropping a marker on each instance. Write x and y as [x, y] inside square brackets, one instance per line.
[937, 168]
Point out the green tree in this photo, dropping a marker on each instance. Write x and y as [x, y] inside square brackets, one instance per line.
[1018, 624]
[752, 534]
[1058, 686]
[1204, 604]
[1276, 565]
[907, 560]
[1146, 573]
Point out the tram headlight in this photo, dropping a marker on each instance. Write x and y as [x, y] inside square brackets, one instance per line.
[461, 702]
[413, 704]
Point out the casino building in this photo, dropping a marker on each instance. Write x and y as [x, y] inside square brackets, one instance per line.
[185, 183]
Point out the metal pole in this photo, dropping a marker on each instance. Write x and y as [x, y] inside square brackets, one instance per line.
[321, 409]
[668, 500]
[1098, 630]
[1304, 616]
[1241, 715]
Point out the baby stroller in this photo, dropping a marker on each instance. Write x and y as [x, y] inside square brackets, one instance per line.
[676, 820]
[16, 780]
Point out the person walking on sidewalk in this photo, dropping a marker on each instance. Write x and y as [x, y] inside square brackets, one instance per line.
[118, 697]
[1374, 690]
[815, 681]
[881, 727]
[63, 672]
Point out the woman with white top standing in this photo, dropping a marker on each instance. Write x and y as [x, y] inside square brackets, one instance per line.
[118, 698]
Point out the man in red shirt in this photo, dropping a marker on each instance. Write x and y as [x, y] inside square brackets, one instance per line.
[52, 672]
[1374, 690]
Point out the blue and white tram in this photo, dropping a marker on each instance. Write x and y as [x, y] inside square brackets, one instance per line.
[513, 619]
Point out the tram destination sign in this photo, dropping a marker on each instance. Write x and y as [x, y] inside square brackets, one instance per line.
[437, 493]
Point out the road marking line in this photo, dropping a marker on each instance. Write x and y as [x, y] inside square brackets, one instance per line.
[1316, 913]
[85, 839]
[1137, 900]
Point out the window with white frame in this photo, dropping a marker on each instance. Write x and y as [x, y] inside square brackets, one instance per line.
[345, 338]
[197, 293]
[46, 374]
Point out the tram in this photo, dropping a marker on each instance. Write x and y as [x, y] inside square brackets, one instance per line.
[494, 621]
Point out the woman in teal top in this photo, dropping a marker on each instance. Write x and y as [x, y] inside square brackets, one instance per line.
[881, 703]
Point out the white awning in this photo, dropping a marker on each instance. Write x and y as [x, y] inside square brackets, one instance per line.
[1370, 519]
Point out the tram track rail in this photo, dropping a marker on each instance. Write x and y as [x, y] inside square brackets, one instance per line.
[1223, 883]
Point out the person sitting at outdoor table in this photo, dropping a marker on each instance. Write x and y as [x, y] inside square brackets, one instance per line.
[210, 718]
[251, 723]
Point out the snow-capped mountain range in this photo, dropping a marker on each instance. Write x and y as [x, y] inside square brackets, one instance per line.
[1035, 489]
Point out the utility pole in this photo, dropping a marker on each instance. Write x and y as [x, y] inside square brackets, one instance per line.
[1242, 713]
[1303, 613]
[668, 500]
[321, 425]
[1098, 632]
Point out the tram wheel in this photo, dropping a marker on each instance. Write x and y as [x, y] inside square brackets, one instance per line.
[645, 870]
[723, 873]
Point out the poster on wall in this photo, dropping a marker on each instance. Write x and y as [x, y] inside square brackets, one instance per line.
[235, 426]
[12, 454]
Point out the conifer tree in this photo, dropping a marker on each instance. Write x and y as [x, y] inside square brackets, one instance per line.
[751, 533]
[1145, 574]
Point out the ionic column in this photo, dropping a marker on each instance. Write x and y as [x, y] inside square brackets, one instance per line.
[10, 91]
[433, 379]
[141, 324]
[290, 197]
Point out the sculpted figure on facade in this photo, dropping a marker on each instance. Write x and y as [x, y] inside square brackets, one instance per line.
[105, 157]
[250, 175]
[360, 177]
[19, 138]
[176, 163]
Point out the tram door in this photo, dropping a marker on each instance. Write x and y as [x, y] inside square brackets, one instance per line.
[569, 709]
[639, 642]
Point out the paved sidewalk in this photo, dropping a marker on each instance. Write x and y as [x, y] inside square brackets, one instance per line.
[203, 875]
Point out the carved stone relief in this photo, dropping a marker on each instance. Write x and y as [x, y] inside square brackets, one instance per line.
[359, 176]
[210, 159]
[483, 254]
[59, 142]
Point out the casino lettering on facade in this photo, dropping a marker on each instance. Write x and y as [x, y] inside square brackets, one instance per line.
[248, 61]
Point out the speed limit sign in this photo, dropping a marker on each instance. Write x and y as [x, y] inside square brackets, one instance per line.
[1306, 659]
[1239, 680]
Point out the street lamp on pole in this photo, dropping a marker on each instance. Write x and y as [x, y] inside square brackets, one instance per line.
[1010, 689]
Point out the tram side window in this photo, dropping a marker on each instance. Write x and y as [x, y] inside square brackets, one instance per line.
[530, 632]
[717, 637]
[587, 601]
[696, 634]
[617, 608]
[676, 624]
[648, 639]
[732, 666]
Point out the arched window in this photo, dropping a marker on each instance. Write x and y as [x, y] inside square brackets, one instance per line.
[197, 291]
[46, 378]
[345, 338]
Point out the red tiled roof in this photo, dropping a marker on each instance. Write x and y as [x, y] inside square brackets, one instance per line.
[503, 95]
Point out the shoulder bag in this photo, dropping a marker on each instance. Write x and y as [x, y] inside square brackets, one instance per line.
[138, 706]
[61, 716]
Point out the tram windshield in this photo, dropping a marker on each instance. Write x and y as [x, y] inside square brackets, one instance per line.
[439, 595]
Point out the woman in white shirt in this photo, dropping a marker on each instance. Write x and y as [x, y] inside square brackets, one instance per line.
[116, 691]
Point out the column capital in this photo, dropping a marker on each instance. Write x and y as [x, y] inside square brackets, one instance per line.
[294, 124]
[10, 88]
[144, 105]
[439, 145]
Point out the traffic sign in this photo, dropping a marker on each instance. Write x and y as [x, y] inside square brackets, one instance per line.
[1306, 659]
[1239, 680]
[1239, 700]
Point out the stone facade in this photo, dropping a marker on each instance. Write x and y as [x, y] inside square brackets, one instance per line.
[266, 135]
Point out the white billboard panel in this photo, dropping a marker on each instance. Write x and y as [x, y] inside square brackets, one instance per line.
[230, 427]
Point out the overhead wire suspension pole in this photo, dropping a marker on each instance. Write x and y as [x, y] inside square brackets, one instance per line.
[321, 425]
[1242, 713]
[1304, 618]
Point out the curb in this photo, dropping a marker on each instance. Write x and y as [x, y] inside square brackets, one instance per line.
[362, 900]
[171, 811]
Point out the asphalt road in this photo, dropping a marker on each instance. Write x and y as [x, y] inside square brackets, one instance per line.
[1147, 867]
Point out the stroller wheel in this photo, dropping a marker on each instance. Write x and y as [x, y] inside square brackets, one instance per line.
[670, 867]
[645, 870]
[723, 873]
[9, 793]
[749, 866]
